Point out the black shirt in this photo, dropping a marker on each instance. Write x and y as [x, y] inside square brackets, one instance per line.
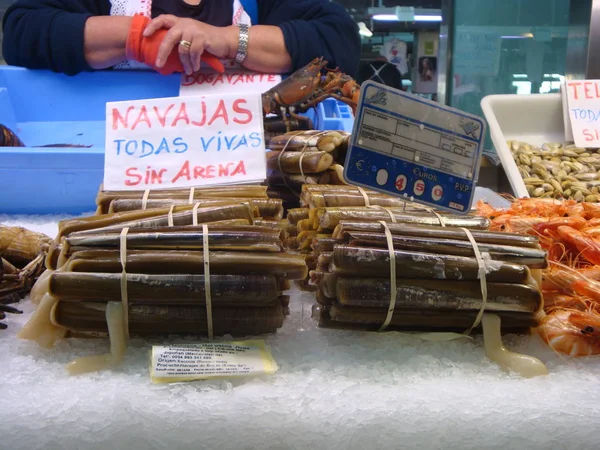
[215, 12]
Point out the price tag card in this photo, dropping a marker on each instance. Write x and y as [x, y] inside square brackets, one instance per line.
[188, 362]
[583, 101]
[415, 149]
[181, 142]
[233, 81]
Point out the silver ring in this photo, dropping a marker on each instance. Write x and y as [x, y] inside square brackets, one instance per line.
[186, 44]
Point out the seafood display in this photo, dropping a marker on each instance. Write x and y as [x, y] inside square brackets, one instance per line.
[378, 266]
[569, 232]
[22, 255]
[558, 171]
[301, 158]
[209, 269]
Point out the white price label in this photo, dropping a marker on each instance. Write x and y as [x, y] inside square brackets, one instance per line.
[189, 362]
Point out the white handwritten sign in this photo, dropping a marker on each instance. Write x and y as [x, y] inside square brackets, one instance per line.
[583, 97]
[233, 81]
[184, 142]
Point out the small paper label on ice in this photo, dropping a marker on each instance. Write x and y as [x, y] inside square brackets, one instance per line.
[189, 362]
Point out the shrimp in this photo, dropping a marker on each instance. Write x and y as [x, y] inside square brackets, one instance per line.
[546, 207]
[591, 272]
[576, 222]
[591, 210]
[586, 245]
[572, 332]
[569, 281]
[593, 232]
[592, 223]
[556, 299]
[485, 209]
[514, 224]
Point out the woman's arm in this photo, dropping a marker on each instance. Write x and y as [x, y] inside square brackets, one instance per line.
[266, 49]
[49, 34]
[104, 40]
[314, 28]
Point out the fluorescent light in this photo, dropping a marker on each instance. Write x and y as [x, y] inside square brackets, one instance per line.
[394, 18]
[386, 17]
[428, 18]
[364, 30]
[520, 36]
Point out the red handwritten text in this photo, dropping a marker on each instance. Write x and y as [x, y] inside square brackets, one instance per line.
[589, 90]
[231, 78]
[198, 114]
[187, 172]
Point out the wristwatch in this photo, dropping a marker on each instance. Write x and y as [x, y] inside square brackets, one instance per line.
[242, 44]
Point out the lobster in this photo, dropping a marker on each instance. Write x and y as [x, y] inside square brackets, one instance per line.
[306, 88]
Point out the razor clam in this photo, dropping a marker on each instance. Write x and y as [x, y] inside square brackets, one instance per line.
[299, 162]
[325, 244]
[329, 218]
[336, 175]
[267, 207]
[488, 237]
[437, 295]
[275, 178]
[183, 238]
[531, 257]
[375, 262]
[282, 265]
[66, 227]
[348, 198]
[294, 215]
[295, 141]
[370, 319]
[165, 289]
[215, 213]
[104, 198]
[55, 249]
[90, 317]
[324, 260]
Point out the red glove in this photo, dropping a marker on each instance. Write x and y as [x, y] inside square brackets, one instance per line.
[145, 49]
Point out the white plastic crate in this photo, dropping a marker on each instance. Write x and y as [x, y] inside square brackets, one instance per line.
[535, 119]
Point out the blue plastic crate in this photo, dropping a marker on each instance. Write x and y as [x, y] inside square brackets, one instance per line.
[332, 115]
[46, 108]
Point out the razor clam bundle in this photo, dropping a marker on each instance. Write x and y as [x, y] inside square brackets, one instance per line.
[119, 201]
[206, 269]
[558, 171]
[415, 276]
[301, 158]
[311, 226]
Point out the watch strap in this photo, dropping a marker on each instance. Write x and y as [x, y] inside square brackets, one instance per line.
[242, 43]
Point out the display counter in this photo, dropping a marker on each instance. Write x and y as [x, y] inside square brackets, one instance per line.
[334, 389]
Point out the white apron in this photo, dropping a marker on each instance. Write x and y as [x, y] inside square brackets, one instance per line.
[144, 7]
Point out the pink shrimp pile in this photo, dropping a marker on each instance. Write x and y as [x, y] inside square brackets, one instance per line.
[570, 232]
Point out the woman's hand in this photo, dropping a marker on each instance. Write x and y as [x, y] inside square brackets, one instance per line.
[203, 37]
